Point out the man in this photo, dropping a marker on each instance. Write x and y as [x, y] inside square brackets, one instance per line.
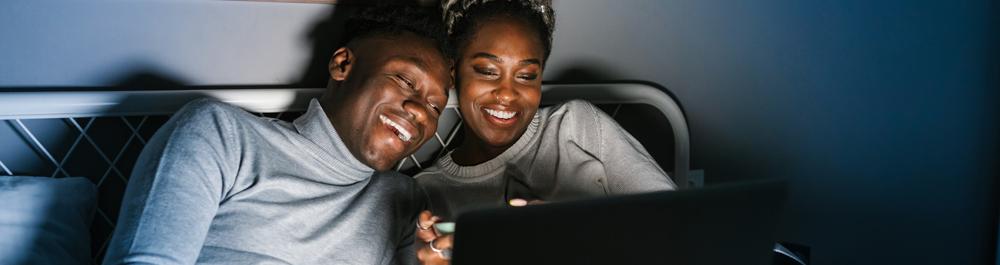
[219, 185]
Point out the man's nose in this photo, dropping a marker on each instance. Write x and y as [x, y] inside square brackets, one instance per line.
[418, 110]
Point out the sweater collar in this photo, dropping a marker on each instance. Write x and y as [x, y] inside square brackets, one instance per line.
[315, 126]
[470, 172]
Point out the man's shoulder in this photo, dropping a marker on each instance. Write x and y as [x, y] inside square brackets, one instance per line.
[210, 108]
[211, 113]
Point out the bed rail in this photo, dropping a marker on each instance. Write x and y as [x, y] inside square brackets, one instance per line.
[69, 104]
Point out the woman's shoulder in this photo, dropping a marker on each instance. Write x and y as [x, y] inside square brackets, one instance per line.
[575, 107]
[575, 114]
[431, 174]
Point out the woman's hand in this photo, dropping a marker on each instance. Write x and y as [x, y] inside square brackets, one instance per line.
[425, 226]
[436, 249]
[523, 202]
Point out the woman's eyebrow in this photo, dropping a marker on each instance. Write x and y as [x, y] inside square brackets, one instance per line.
[497, 59]
[530, 61]
[487, 56]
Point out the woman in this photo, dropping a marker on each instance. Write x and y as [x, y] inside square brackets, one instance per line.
[512, 151]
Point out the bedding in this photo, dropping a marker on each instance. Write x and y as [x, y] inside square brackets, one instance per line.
[45, 220]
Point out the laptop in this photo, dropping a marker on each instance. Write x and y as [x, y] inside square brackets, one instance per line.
[722, 224]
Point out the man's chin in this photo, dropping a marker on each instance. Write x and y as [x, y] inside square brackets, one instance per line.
[385, 161]
[381, 166]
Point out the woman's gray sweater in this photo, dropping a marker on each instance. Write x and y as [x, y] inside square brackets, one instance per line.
[572, 150]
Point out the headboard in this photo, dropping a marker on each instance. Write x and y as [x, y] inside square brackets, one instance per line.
[99, 134]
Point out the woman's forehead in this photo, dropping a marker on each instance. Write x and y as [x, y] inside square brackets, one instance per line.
[503, 40]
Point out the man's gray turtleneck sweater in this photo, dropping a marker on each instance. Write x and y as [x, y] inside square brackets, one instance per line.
[217, 185]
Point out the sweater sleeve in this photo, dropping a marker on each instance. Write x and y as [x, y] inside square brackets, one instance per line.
[628, 166]
[175, 189]
[406, 249]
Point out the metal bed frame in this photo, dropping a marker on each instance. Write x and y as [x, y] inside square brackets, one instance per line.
[135, 114]
[16, 106]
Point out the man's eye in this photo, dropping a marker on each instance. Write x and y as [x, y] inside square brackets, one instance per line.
[405, 82]
[435, 107]
[528, 76]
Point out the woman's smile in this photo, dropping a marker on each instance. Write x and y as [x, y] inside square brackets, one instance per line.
[499, 116]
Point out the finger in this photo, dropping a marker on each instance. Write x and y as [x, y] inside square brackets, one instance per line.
[425, 219]
[443, 242]
[427, 256]
[425, 223]
[426, 235]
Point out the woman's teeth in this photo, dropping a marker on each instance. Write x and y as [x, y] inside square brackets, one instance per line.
[501, 114]
[402, 133]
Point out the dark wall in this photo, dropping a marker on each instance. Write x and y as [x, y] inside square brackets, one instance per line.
[882, 114]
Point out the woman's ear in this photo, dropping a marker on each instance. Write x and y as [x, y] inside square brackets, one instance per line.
[340, 63]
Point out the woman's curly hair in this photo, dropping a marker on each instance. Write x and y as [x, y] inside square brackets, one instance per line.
[463, 18]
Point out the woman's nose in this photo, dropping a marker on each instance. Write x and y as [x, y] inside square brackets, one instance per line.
[505, 93]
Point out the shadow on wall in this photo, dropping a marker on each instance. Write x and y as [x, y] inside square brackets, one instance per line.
[326, 36]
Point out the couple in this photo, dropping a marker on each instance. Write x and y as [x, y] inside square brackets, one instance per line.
[218, 185]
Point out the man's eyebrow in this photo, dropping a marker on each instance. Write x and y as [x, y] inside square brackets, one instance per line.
[413, 60]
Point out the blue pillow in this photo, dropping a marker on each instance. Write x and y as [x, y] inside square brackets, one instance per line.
[45, 220]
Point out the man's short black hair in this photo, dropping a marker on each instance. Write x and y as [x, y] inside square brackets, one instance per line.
[388, 20]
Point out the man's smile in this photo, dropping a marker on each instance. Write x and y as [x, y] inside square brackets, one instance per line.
[405, 135]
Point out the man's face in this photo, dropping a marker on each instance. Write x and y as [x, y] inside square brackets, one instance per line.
[391, 91]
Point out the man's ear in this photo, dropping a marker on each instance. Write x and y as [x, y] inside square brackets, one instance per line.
[341, 63]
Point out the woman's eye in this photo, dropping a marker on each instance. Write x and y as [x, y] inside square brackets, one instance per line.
[486, 71]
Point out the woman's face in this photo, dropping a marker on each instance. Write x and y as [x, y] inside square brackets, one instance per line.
[499, 78]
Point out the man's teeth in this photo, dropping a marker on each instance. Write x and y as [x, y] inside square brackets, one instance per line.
[402, 133]
[501, 114]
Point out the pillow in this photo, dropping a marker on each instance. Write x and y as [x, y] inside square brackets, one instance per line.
[45, 220]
